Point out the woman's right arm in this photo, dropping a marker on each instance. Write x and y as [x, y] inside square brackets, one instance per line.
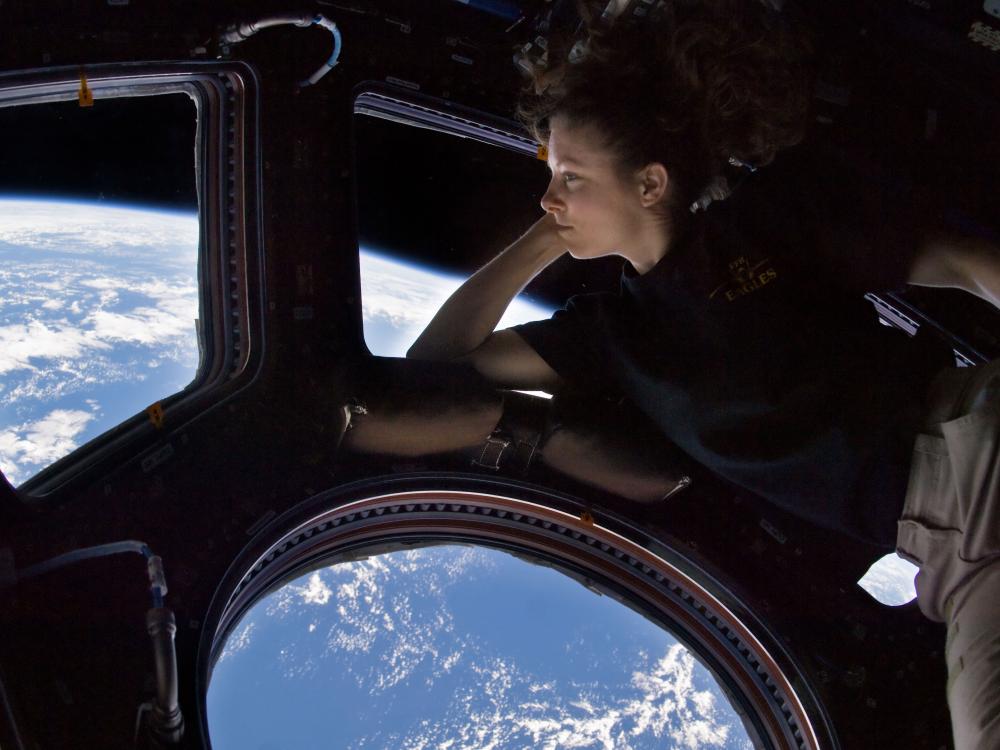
[948, 259]
[463, 329]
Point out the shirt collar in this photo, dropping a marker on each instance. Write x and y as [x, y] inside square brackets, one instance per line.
[670, 279]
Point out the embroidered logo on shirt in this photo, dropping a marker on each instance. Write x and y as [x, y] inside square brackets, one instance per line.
[745, 278]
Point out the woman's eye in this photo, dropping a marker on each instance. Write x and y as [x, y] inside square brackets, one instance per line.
[569, 177]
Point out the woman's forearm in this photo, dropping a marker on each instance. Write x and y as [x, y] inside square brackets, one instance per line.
[407, 408]
[615, 462]
[961, 262]
[471, 314]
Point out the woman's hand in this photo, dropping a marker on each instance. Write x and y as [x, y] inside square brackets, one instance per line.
[545, 233]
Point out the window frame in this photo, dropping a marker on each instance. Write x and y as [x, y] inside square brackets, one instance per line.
[405, 107]
[230, 253]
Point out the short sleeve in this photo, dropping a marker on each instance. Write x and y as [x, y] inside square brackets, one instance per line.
[573, 341]
[838, 218]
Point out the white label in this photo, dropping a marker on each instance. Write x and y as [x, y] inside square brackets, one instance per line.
[404, 84]
[161, 456]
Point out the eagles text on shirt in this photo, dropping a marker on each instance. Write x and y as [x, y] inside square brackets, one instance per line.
[745, 278]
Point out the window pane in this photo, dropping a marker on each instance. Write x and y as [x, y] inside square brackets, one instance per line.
[458, 646]
[890, 580]
[98, 270]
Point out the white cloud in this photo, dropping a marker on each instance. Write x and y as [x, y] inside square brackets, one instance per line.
[64, 378]
[661, 703]
[43, 359]
[104, 283]
[41, 442]
[316, 592]
[171, 317]
[142, 325]
[450, 661]
[83, 228]
[400, 633]
[81, 273]
[238, 641]
[669, 703]
[20, 344]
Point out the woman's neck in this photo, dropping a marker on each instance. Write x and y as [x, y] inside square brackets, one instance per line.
[652, 247]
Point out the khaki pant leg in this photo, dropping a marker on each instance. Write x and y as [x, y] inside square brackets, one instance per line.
[973, 654]
[951, 528]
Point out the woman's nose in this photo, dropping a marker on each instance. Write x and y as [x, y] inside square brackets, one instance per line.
[551, 201]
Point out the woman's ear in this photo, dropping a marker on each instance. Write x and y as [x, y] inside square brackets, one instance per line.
[653, 183]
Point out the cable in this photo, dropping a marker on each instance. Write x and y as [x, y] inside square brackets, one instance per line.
[163, 716]
[237, 33]
[154, 564]
[87, 553]
[329, 65]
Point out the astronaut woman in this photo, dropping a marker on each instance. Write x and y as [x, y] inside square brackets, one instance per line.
[740, 329]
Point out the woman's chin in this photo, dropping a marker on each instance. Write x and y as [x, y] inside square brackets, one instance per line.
[586, 253]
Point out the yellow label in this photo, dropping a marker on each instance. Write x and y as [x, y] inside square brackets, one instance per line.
[86, 95]
[155, 413]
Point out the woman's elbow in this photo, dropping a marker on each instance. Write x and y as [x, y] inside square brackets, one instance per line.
[431, 351]
[425, 352]
[958, 261]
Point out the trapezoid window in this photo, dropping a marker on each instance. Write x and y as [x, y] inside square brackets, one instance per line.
[125, 276]
[440, 191]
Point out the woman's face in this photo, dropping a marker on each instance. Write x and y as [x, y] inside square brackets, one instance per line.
[600, 211]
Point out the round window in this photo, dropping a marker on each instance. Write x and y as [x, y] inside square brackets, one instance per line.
[456, 619]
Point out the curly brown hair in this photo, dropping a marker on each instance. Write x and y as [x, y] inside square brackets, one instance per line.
[704, 82]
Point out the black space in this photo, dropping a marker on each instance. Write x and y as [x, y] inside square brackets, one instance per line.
[454, 203]
[138, 150]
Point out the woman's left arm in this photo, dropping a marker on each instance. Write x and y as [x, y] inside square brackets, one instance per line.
[949, 259]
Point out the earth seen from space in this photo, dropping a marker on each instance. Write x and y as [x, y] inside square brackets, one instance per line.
[98, 320]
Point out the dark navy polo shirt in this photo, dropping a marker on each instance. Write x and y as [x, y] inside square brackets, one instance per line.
[752, 348]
